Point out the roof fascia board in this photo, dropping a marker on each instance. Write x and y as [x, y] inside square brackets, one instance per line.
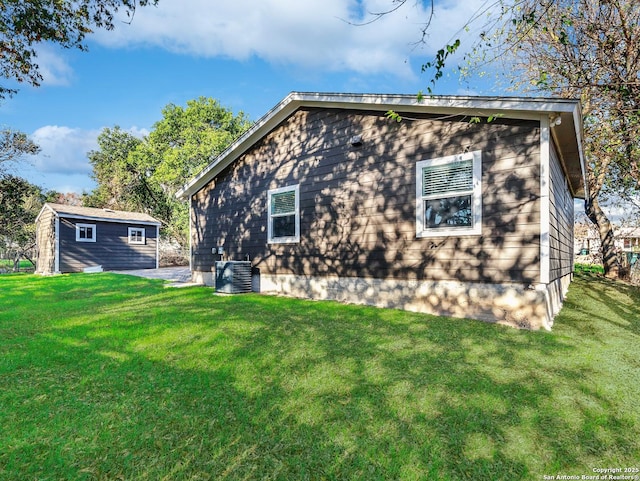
[102, 219]
[577, 122]
[42, 210]
[515, 107]
[507, 107]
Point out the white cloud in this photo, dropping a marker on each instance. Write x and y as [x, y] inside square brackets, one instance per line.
[53, 67]
[62, 163]
[312, 34]
[64, 149]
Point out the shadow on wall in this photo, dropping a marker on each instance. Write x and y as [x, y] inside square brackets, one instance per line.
[357, 204]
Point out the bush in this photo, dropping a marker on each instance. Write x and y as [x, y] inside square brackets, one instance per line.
[593, 268]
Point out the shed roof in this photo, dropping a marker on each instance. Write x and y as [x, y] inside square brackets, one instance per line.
[107, 215]
[566, 128]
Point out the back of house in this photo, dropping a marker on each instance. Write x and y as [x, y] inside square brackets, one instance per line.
[446, 211]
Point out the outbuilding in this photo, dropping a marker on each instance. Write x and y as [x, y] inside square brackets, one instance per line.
[76, 239]
[461, 206]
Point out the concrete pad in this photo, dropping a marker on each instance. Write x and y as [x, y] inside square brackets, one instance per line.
[178, 276]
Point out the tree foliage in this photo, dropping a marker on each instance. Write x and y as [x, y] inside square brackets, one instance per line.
[144, 174]
[585, 49]
[24, 24]
[13, 146]
[19, 199]
[590, 50]
[20, 203]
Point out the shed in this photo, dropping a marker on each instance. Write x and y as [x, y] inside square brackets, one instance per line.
[463, 208]
[74, 239]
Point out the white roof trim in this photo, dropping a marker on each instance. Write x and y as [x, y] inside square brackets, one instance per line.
[42, 210]
[508, 107]
[104, 219]
[94, 218]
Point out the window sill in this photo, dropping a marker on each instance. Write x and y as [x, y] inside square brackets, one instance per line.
[284, 240]
[471, 231]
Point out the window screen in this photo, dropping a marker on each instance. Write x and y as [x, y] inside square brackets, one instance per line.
[448, 195]
[284, 218]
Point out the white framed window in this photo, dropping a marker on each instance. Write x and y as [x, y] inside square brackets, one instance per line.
[85, 232]
[283, 206]
[136, 235]
[449, 195]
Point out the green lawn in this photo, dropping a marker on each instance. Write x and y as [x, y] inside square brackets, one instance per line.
[8, 264]
[115, 377]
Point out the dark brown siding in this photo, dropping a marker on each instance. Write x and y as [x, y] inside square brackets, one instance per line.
[358, 204]
[45, 243]
[111, 249]
[560, 220]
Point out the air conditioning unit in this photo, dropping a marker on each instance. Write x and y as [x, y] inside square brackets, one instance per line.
[233, 277]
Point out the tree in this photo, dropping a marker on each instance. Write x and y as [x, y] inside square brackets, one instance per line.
[587, 49]
[20, 202]
[115, 177]
[24, 24]
[13, 146]
[144, 174]
[187, 139]
[18, 198]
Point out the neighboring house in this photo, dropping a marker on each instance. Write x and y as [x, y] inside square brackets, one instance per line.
[628, 239]
[628, 244]
[587, 243]
[73, 239]
[330, 199]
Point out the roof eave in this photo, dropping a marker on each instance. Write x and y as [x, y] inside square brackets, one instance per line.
[107, 219]
[507, 107]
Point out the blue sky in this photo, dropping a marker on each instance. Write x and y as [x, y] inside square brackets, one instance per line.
[248, 55]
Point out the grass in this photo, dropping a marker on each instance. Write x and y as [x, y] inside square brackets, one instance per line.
[115, 377]
[594, 268]
[8, 264]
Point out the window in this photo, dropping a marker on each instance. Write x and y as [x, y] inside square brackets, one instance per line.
[136, 235]
[284, 215]
[449, 195]
[85, 232]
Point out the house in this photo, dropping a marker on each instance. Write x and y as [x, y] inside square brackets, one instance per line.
[587, 244]
[463, 208]
[628, 239]
[75, 239]
[586, 241]
[627, 243]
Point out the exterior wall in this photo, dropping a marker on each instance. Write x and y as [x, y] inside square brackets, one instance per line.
[45, 243]
[561, 220]
[561, 231]
[358, 204]
[111, 249]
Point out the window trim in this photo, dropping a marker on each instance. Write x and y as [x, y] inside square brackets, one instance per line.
[85, 239]
[288, 239]
[476, 196]
[144, 235]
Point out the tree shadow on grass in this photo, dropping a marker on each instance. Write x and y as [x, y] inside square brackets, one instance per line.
[186, 385]
[615, 302]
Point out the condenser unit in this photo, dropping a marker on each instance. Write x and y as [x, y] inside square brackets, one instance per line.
[233, 277]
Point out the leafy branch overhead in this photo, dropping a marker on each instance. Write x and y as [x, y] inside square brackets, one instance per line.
[439, 63]
[26, 24]
[586, 49]
[14, 145]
